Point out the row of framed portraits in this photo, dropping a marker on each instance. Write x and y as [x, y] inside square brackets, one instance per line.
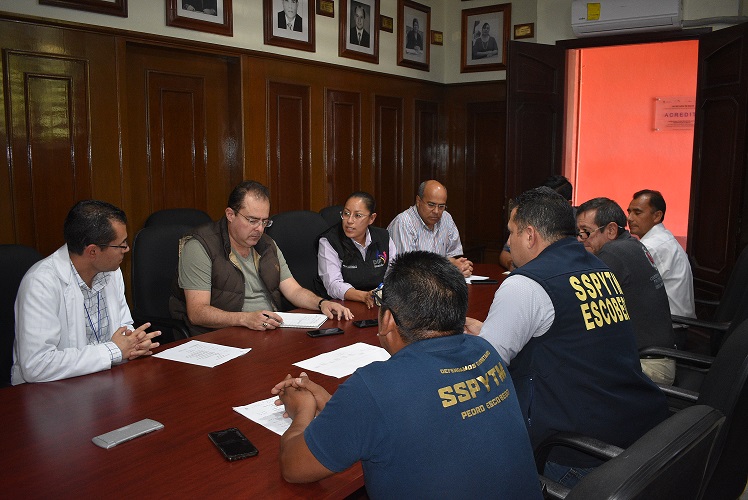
[290, 23]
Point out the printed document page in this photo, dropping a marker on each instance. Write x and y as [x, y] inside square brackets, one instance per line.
[200, 353]
[344, 361]
[266, 414]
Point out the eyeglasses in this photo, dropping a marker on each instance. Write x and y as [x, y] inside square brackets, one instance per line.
[124, 246]
[379, 301]
[254, 222]
[438, 206]
[345, 214]
[583, 235]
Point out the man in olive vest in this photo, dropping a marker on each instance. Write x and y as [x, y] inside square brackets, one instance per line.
[232, 274]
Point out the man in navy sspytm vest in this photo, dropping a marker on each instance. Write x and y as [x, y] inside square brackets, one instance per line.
[560, 321]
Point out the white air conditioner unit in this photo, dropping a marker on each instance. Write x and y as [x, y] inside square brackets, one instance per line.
[608, 17]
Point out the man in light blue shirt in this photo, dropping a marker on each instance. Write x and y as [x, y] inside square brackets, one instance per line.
[428, 226]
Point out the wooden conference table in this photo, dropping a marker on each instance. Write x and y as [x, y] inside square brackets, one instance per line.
[46, 428]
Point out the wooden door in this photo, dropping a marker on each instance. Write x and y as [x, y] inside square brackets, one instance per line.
[719, 186]
[535, 113]
[184, 146]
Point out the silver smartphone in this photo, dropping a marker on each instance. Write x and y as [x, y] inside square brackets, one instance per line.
[126, 433]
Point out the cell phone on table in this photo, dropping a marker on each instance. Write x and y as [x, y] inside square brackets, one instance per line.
[484, 282]
[365, 323]
[324, 332]
[232, 444]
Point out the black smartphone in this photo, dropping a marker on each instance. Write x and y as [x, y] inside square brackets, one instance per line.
[365, 323]
[484, 282]
[233, 444]
[324, 332]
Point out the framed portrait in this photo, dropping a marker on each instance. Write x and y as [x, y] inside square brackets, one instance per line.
[212, 16]
[485, 35]
[112, 7]
[289, 23]
[413, 34]
[359, 30]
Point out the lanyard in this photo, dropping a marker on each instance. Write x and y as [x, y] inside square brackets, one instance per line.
[98, 319]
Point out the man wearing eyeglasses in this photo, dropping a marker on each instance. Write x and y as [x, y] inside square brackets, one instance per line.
[232, 274]
[601, 223]
[71, 314]
[428, 226]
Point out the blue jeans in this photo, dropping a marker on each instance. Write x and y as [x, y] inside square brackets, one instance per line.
[568, 476]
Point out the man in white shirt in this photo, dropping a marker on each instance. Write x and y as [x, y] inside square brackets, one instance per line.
[428, 226]
[71, 315]
[646, 214]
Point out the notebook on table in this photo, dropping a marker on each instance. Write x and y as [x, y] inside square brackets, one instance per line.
[301, 320]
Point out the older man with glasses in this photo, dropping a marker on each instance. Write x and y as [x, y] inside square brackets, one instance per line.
[602, 230]
[71, 315]
[232, 274]
[428, 226]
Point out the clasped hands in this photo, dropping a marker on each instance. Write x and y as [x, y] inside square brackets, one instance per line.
[300, 393]
[135, 343]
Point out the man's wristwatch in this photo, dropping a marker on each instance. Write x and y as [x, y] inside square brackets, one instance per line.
[319, 305]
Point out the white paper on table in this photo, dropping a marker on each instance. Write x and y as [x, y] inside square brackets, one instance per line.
[475, 277]
[344, 361]
[266, 414]
[200, 353]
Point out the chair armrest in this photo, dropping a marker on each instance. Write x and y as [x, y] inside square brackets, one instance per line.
[707, 302]
[552, 489]
[672, 391]
[686, 357]
[591, 446]
[709, 325]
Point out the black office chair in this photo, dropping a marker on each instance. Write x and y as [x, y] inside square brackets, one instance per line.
[669, 461]
[724, 387]
[155, 256]
[15, 260]
[331, 214]
[191, 217]
[727, 310]
[296, 233]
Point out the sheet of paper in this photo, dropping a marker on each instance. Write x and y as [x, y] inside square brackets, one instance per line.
[301, 320]
[200, 353]
[475, 277]
[344, 361]
[266, 414]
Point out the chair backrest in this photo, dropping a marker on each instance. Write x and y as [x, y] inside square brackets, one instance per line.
[736, 290]
[155, 256]
[331, 214]
[191, 217]
[15, 260]
[667, 462]
[725, 389]
[296, 234]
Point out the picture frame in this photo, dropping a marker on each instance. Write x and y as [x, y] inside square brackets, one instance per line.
[326, 8]
[485, 36]
[437, 38]
[359, 16]
[111, 7]
[296, 34]
[413, 27]
[215, 16]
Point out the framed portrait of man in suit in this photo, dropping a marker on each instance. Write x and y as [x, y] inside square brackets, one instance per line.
[359, 30]
[211, 16]
[289, 23]
[413, 34]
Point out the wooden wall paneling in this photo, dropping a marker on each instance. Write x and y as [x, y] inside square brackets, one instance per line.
[50, 143]
[426, 147]
[184, 132]
[343, 144]
[289, 146]
[388, 157]
[485, 170]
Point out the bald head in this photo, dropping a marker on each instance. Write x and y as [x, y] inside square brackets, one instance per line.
[431, 202]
